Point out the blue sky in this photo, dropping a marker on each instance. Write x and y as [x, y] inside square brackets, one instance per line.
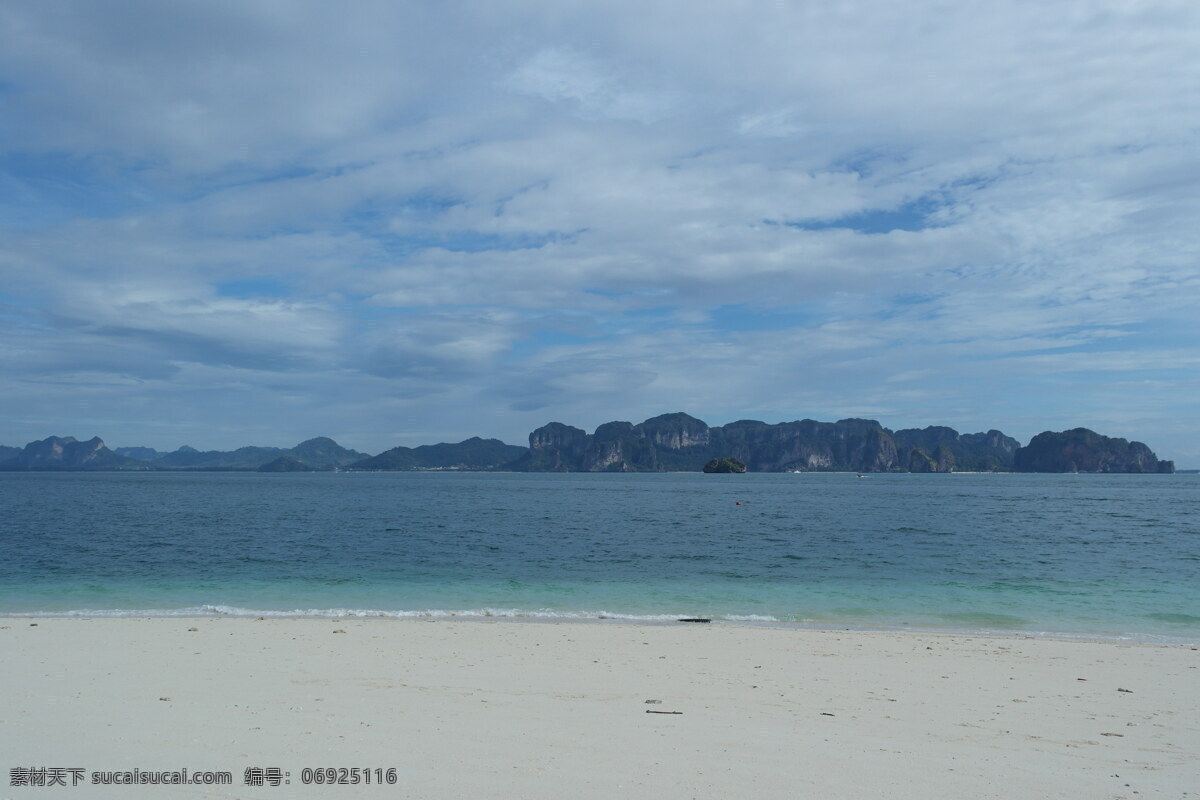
[228, 223]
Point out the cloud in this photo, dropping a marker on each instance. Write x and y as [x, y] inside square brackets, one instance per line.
[931, 213]
[558, 74]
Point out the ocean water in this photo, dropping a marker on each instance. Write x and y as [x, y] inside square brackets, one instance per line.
[1109, 556]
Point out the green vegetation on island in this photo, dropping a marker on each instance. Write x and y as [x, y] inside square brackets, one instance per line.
[724, 465]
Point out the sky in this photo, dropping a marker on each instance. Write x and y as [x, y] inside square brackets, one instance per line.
[231, 223]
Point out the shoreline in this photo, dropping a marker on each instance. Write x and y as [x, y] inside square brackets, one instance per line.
[612, 709]
[485, 471]
[524, 617]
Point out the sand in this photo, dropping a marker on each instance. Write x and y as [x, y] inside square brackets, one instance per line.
[554, 710]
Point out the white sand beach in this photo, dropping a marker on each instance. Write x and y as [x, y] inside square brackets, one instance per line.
[553, 710]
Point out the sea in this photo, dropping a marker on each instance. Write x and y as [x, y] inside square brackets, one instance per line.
[1089, 556]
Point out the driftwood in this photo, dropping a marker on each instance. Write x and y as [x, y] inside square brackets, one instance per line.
[694, 619]
[649, 711]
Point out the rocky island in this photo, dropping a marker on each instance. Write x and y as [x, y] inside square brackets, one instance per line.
[670, 442]
[681, 442]
[1082, 450]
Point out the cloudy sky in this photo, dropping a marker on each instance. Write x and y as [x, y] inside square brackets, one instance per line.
[230, 223]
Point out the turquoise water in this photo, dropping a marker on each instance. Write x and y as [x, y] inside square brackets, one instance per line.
[1092, 555]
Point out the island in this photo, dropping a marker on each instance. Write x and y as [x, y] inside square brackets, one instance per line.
[675, 442]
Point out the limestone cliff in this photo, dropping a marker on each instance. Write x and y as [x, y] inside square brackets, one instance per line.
[1083, 450]
[849, 445]
[675, 431]
[617, 447]
[67, 453]
[949, 451]
[682, 442]
[554, 448]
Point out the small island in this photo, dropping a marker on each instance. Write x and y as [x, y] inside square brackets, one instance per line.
[724, 465]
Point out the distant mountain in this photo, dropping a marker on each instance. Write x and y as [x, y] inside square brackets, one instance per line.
[319, 453]
[472, 454]
[242, 458]
[324, 453]
[67, 453]
[140, 453]
[669, 442]
[1082, 450]
[286, 464]
[681, 442]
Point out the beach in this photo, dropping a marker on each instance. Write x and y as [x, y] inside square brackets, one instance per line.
[594, 710]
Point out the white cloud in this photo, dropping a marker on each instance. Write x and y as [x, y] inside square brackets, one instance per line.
[532, 204]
